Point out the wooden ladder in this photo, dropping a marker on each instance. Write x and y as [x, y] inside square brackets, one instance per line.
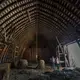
[63, 56]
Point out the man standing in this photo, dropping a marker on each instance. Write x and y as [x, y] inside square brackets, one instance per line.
[53, 62]
[57, 63]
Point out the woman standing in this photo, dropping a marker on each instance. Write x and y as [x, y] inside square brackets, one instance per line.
[57, 63]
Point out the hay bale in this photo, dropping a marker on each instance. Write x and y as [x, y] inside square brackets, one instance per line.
[42, 64]
[24, 63]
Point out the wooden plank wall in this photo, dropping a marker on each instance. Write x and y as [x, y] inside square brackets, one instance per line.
[30, 54]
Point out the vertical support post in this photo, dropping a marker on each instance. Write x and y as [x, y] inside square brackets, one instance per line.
[8, 71]
[68, 55]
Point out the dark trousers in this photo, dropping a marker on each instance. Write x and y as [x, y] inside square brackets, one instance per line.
[58, 66]
[53, 66]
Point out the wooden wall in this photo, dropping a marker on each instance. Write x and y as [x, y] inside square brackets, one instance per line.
[30, 54]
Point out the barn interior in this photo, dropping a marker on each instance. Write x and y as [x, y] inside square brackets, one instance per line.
[34, 31]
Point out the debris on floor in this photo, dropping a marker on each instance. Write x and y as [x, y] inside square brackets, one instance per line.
[32, 74]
